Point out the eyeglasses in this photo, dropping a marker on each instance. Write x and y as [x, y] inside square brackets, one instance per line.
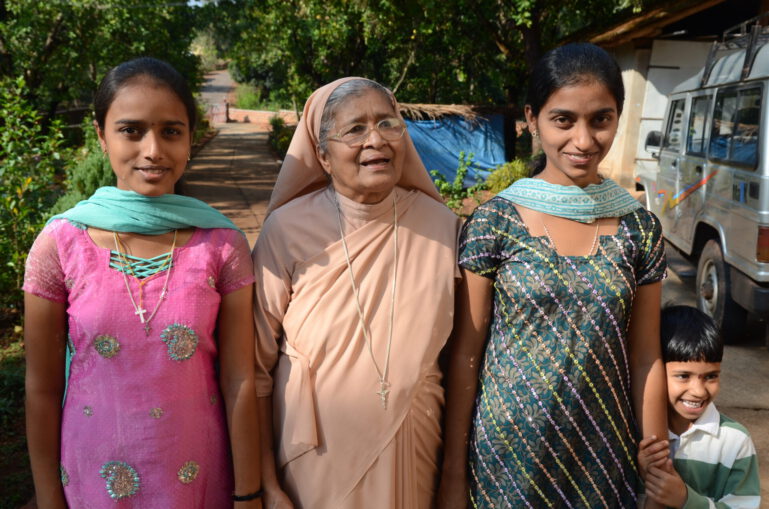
[355, 135]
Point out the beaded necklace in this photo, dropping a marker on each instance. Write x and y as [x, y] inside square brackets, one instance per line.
[139, 309]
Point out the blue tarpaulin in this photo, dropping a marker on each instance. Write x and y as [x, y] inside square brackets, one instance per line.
[440, 141]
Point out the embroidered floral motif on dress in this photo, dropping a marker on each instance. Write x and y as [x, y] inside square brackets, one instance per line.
[107, 346]
[122, 479]
[188, 472]
[181, 341]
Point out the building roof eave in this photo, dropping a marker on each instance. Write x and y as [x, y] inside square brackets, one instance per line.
[650, 24]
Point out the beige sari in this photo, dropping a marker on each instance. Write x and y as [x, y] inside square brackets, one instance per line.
[336, 446]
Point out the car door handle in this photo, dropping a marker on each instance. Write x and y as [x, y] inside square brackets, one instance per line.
[698, 169]
[674, 164]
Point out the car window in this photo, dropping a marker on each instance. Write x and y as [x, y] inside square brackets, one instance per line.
[745, 138]
[674, 129]
[736, 119]
[695, 144]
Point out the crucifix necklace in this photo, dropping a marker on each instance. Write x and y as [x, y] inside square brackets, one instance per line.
[384, 385]
[139, 309]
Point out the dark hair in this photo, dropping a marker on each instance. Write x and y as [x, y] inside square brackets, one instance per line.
[145, 67]
[689, 335]
[572, 64]
[352, 88]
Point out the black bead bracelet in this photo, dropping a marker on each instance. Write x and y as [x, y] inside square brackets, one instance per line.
[246, 498]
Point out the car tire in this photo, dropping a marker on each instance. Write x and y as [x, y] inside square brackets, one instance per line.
[714, 293]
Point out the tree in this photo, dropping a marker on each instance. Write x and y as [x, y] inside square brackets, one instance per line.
[62, 48]
[469, 51]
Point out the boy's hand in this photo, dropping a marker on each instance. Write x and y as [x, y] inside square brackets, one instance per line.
[665, 486]
[652, 452]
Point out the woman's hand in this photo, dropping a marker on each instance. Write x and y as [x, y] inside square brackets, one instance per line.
[652, 452]
[452, 492]
[236, 379]
[248, 504]
[471, 325]
[276, 498]
[648, 382]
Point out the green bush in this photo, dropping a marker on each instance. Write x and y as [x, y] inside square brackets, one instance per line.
[202, 125]
[280, 135]
[31, 156]
[277, 122]
[84, 176]
[204, 46]
[247, 97]
[11, 384]
[16, 488]
[284, 140]
[454, 193]
[504, 175]
[86, 172]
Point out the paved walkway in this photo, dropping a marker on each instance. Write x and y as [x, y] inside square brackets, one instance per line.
[235, 172]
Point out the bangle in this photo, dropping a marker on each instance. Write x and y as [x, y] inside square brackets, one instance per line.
[246, 498]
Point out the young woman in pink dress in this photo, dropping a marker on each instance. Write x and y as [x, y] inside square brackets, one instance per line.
[150, 295]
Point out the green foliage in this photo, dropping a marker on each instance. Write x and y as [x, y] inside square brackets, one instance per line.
[87, 170]
[203, 124]
[448, 51]
[454, 193]
[64, 47]
[204, 46]
[280, 135]
[247, 97]
[16, 488]
[30, 159]
[277, 122]
[505, 174]
[11, 383]
[84, 176]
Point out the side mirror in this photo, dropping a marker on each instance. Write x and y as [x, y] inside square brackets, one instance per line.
[653, 143]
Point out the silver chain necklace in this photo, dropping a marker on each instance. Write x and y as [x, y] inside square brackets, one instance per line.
[552, 242]
[384, 385]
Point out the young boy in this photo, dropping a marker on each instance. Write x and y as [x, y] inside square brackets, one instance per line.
[713, 458]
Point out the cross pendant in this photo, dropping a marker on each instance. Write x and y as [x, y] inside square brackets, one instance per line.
[140, 312]
[147, 329]
[383, 392]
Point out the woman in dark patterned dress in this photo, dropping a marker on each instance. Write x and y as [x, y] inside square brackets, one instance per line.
[561, 287]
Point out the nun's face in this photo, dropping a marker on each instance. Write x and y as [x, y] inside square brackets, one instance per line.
[368, 172]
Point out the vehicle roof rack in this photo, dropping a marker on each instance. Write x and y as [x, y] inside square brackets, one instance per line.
[749, 35]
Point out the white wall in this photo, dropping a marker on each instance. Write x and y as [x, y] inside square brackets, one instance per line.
[646, 88]
[672, 62]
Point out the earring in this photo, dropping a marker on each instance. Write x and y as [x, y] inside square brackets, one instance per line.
[535, 133]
